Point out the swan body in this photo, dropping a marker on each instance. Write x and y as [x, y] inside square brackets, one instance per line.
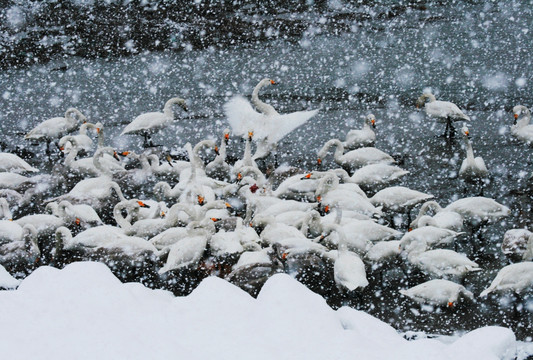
[149, 123]
[13, 163]
[375, 175]
[443, 111]
[13, 181]
[515, 277]
[356, 158]
[472, 168]
[515, 241]
[437, 292]
[21, 255]
[43, 223]
[269, 127]
[96, 192]
[10, 231]
[522, 129]
[433, 236]
[186, 252]
[56, 127]
[399, 197]
[361, 138]
[81, 140]
[70, 213]
[439, 263]
[383, 251]
[444, 219]
[479, 209]
[219, 168]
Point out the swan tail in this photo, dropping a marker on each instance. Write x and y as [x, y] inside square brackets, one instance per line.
[241, 116]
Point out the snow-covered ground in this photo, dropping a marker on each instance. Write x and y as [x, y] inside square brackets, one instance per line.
[84, 312]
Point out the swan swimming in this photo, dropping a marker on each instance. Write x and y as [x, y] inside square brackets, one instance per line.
[148, 123]
[362, 137]
[522, 129]
[269, 126]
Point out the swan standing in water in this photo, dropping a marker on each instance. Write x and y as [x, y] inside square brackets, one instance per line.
[269, 127]
[515, 277]
[445, 219]
[149, 123]
[443, 111]
[472, 169]
[521, 129]
[55, 128]
[363, 137]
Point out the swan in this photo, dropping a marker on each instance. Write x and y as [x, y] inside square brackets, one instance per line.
[103, 237]
[472, 169]
[356, 158]
[361, 138]
[515, 277]
[149, 123]
[479, 209]
[515, 243]
[444, 219]
[164, 240]
[438, 292]
[247, 161]
[12, 163]
[438, 263]
[104, 161]
[83, 141]
[348, 270]
[383, 252]
[345, 196]
[186, 252]
[81, 214]
[398, 198]
[23, 254]
[43, 223]
[375, 175]
[218, 168]
[521, 129]
[9, 231]
[433, 236]
[269, 127]
[14, 181]
[443, 111]
[7, 281]
[56, 127]
[528, 254]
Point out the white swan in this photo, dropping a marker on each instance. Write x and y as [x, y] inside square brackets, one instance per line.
[376, 175]
[55, 128]
[21, 255]
[445, 219]
[363, 137]
[149, 123]
[12, 163]
[104, 161]
[81, 214]
[269, 127]
[356, 158]
[472, 169]
[43, 223]
[397, 198]
[219, 168]
[348, 270]
[433, 236]
[83, 141]
[476, 210]
[439, 263]
[443, 111]
[515, 243]
[14, 181]
[515, 277]
[247, 160]
[522, 129]
[164, 240]
[438, 292]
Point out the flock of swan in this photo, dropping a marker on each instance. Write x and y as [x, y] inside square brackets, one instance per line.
[171, 222]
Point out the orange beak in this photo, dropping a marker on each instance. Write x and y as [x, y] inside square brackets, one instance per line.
[319, 161]
[200, 200]
[228, 205]
[515, 116]
[97, 130]
[308, 176]
[163, 214]
[77, 221]
[318, 198]
[239, 176]
[450, 304]
[226, 136]
[125, 153]
[272, 82]
[466, 133]
[284, 256]
[62, 148]
[141, 204]
[215, 219]
[326, 209]
[250, 135]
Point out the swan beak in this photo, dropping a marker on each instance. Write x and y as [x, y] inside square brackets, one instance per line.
[125, 153]
[450, 304]
[141, 204]
[78, 221]
[10, 219]
[319, 161]
[226, 138]
[216, 150]
[516, 116]
[162, 214]
[215, 219]
[326, 209]
[115, 155]
[373, 122]
[272, 82]
[284, 256]
[98, 130]
[239, 176]
[308, 176]
[319, 199]
[228, 205]
[169, 159]
[200, 200]
[250, 135]
[62, 148]
[410, 229]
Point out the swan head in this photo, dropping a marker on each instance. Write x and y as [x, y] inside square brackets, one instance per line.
[250, 135]
[226, 135]
[422, 99]
[267, 82]
[465, 131]
[371, 120]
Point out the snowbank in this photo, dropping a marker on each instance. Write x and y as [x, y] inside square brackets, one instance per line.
[84, 312]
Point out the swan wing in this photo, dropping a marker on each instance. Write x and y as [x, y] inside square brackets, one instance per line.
[242, 117]
[278, 126]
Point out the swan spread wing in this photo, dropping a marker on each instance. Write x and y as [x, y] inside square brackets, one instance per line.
[243, 118]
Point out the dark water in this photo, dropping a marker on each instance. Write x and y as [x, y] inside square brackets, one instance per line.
[348, 62]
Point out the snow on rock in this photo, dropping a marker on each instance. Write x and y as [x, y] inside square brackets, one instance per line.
[84, 312]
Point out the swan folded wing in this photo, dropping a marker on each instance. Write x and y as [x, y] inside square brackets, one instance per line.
[445, 109]
[241, 116]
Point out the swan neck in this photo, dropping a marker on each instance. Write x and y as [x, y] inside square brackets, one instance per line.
[265, 108]
[119, 218]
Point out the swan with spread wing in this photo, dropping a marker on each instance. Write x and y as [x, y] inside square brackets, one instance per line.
[268, 126]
